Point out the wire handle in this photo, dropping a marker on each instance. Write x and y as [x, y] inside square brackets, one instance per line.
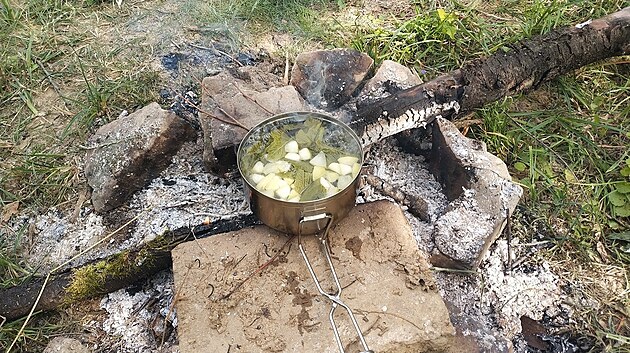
[335, 297]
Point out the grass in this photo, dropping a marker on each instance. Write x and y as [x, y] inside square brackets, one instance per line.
[567, 143]
[58, 83]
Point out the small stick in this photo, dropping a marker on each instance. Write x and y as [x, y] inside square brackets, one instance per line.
[285, 79]
[259, 269]
[232, 122]
[253, 100]
[232, 118]
[416, 205]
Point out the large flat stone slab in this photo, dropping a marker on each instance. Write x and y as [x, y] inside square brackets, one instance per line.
[386, 281]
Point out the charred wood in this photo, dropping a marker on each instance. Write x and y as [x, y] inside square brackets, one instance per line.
[525, 67]
[109, 274]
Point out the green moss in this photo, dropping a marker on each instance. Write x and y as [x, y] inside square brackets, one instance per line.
[89, 281]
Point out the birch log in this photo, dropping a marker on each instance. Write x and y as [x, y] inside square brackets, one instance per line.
[526, 66]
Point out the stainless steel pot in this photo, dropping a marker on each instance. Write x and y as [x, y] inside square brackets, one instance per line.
[300, 217]
[308, 217]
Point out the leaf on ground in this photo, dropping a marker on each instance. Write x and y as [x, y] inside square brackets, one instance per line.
[623, 188]
[623, 211]
[10, 210]
[520, 166]
[624, 236]
[616, 198]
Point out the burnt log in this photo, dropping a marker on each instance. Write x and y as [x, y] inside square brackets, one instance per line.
[525, 67]
[109, 274]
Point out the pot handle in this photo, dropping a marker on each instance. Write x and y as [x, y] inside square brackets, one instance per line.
[334, 297]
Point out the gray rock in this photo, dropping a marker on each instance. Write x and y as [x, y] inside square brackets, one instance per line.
[65, 345]
[389, 77]
[127, 153]
[240, 99]
[481, 195]
[386, 280]
[328, 78]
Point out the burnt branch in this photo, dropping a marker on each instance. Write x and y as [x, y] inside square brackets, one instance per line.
[109, 274]
[525, 67]
[416, 205]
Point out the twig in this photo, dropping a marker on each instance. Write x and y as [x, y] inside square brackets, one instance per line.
[48, 76]
[232, 118]
[259, 269]
[218, 51]
[285, 79]
[416, 205]
[50, 273]
[252, 100]
[233, 122]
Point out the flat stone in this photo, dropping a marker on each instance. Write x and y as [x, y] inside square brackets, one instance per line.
[385, 280]
[127, 153]
[239, 98]
[328, 78]
[65, 345]
[481, 195]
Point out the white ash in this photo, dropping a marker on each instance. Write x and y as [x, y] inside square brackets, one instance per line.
[184, 195]
[516, 293]
[57, 239]
[409, 173]
[456, 224]
[188, 196]
[132, 319]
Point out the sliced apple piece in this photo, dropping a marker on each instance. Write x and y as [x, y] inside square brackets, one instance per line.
[345, 169]
[331, 191]
[319, 160]
[318, 172]
[325, 183]
[291, 147]
[292, 156]
[283, 192]
[256, 178]
[305, 154]
[335, 167]
[258, 167]
[344, 181]
[331, 176]
[348, 160]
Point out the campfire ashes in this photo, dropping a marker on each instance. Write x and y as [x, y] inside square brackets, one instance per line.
[485, 301]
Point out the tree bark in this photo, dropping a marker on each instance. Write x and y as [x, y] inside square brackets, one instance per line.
[138, 264]
[525, 67]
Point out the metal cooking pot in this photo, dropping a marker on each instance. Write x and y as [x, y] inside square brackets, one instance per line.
[307, 217]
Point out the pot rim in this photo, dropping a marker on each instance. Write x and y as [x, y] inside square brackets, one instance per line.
[289, 115]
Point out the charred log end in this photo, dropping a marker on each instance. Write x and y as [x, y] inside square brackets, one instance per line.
[443, 164]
